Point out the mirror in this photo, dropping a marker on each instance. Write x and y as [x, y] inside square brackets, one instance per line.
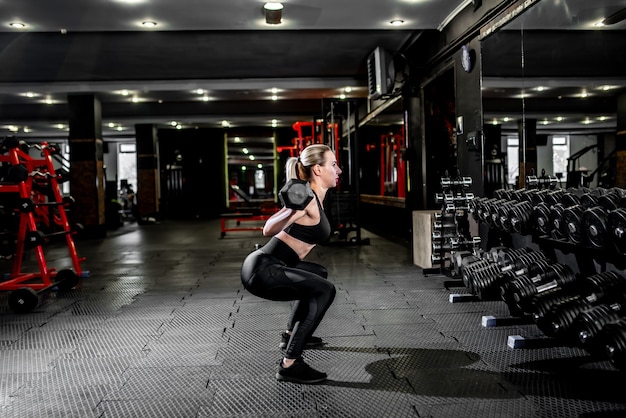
[250, 157]
[550, 82]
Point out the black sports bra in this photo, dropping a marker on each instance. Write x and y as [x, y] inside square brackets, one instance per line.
[311, 234]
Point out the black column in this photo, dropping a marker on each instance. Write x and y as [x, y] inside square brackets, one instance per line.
[620, 142]
[527, 133]
[86, 164]
[147, 171]
[415, 154]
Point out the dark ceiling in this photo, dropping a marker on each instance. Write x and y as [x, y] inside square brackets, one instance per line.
[211, 61]
[204, 62]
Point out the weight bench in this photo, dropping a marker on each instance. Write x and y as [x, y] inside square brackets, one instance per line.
[239, 218]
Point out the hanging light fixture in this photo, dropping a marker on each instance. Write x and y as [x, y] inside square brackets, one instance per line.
[273, 13]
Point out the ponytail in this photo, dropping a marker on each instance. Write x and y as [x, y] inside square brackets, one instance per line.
[291, 168]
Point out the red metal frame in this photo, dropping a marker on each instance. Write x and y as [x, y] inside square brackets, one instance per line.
[303, 140]
[240, 218]
[38, 169]
[390, 144]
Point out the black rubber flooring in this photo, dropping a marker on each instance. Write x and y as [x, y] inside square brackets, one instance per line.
[163, 328]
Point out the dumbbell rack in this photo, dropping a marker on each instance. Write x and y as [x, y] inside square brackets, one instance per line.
[25, 287]
[451, 227]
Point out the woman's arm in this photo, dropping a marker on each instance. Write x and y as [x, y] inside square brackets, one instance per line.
[280, 220]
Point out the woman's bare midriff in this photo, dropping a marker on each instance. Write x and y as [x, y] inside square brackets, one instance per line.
[300, 247]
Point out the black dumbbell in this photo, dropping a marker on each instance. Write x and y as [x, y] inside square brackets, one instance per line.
[296, 194]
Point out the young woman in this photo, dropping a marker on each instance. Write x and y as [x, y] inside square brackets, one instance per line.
[277, 271]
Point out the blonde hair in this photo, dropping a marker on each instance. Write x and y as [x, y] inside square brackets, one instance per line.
[300, 167]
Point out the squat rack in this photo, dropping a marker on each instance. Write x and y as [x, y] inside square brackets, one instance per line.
[23, 172]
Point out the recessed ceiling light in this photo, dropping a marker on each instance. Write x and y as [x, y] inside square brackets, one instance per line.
[148, 23]
[396, 22]
[17, 25]
[273, 13]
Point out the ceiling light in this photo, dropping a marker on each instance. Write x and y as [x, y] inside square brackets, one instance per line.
[396, 22]
[17, 25]
[225, 124]
[274, 97]
[273, 13]
[148, 23]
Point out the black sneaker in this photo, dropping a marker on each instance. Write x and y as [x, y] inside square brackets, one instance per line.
[299, 372]
[312, 342]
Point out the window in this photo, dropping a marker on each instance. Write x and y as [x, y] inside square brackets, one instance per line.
[127, 166]
[560, 154]
[512, 159]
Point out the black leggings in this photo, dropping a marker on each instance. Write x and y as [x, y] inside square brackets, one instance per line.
[275, 272]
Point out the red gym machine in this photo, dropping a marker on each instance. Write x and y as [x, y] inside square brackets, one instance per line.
[392, 164]
[309, 133]
[40, 205]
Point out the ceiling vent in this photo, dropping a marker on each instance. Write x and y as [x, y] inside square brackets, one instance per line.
[381, 73]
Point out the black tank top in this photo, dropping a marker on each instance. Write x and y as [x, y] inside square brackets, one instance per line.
[311, 234]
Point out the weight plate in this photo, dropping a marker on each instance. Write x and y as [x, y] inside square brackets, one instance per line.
[66, 279]
[23, 300]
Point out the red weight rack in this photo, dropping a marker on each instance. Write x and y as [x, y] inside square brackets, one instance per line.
[37, 209]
